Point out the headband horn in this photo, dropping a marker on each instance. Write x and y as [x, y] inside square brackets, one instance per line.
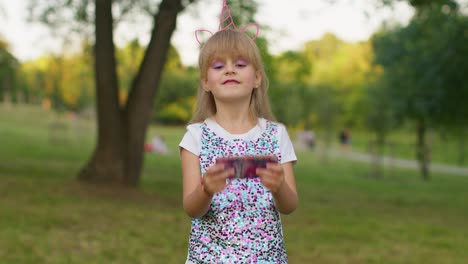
[227, 20]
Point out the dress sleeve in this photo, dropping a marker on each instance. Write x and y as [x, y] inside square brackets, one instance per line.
[286, 147]
[191, 140]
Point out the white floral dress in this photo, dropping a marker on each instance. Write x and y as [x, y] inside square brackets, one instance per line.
[242, 224]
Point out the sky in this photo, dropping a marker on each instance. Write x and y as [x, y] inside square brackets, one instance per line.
[291, 23]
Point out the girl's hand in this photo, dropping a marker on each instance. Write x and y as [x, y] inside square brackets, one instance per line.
[272, 176]
[214, 179]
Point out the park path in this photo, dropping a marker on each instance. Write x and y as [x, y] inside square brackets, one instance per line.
[400, 163]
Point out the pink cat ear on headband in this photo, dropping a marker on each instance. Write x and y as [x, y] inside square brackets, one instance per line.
[226, 19]
[257, 29]
[199, 35]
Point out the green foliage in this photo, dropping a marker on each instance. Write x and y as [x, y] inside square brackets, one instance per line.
[268, 60]
[423, 72]
[284, 96]
[178, 112]
[293, 66]
[8, 73]
[128, 60]
[330, 83]
[66, 82]
[343, 67]
[176, 99]
[324, 82]
[424, 66]
[324, 48]
[379, 115]
[294, 104]
[74, 19]
[242, 11]
[422, 4]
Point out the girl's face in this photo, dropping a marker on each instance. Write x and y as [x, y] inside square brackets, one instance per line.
[231, 79]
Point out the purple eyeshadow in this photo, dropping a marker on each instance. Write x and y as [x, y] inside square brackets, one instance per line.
[217, 64]
[242, 62]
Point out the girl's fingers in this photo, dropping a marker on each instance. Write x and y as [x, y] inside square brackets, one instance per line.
[269, 170]
[222, 173]
[228, 173]
[215, 169]
[217, 175]
[261, 172]
[271, 176]
[274, 166]
[265, 175]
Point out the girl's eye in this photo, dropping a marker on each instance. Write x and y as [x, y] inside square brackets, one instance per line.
[241, 63]
[217, 65]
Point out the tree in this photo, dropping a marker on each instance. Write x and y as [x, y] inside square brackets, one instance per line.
[294, 66]
[451, 68]
[326, 80]
[380, 118]
[9, 66]
[291, 88]
[118, 154]
[419, 69]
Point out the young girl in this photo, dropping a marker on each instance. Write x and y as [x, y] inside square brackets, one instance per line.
[235, 220]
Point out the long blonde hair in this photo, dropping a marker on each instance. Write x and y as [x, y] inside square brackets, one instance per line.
[234, 44]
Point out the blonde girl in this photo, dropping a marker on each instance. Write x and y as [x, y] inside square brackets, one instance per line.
[235, 220]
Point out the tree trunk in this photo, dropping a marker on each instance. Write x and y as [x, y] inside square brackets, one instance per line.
[118, 156]
[3, 84]
[376, 150]
[423, 151]
[108, 160]
[144, 88]
[6, 86]
[462, 146]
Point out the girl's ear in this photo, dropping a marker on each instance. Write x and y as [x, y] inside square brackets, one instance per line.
[204, 84]
[258, 79]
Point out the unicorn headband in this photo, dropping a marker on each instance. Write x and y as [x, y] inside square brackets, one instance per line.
[226, 16]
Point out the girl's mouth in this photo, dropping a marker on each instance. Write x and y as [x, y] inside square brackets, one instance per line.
[231, 82]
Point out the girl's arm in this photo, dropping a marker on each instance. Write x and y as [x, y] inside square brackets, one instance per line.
[279, 179]
[196, 202]
[286, 197]
[197, 196]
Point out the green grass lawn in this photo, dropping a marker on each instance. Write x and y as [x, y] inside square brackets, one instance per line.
[344, 216]
[402, 144]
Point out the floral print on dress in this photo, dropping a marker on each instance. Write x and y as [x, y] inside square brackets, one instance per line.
[242, 224]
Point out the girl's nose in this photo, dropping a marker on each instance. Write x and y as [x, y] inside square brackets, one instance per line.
[230, 68]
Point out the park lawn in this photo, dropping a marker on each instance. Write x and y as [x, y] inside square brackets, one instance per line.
[445, 149]
[344, 216]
